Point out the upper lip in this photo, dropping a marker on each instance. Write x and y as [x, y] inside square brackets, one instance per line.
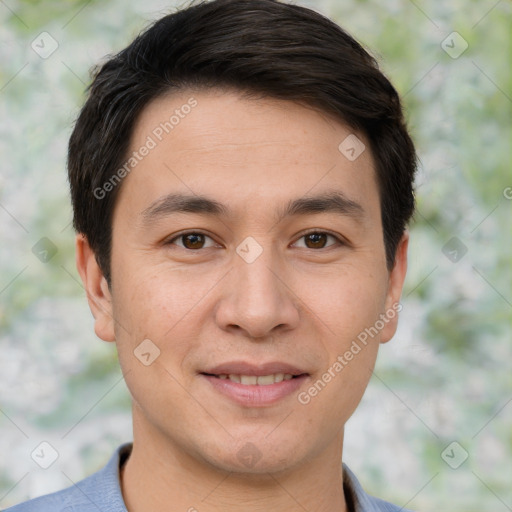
[246, 368]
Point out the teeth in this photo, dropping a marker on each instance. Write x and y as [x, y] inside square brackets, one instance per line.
[248, 379]
[252, 380]
[264, 380]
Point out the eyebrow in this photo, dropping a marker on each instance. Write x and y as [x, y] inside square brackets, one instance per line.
[335, 202]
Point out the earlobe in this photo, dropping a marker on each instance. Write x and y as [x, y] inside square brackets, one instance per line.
[96, 288]
[395, 285]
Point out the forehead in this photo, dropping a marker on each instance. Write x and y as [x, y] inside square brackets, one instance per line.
[245, 152]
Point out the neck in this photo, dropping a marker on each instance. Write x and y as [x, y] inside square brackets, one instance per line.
[159, 473]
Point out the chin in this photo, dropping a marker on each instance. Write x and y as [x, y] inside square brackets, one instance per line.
[254, 455]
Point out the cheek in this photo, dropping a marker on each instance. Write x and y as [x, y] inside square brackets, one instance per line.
[157, 301]
[336, 390]
[349, 307]
[148, 307]
[348, 303]
[153, 336]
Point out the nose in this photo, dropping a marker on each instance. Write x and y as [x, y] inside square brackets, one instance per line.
[258, 298]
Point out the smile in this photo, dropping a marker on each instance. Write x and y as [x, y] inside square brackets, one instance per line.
[255, 391]
[253, 380]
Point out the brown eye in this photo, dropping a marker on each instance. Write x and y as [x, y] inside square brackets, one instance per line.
[318, 240]
[192, 241]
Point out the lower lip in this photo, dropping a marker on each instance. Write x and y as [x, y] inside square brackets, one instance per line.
[254, 395]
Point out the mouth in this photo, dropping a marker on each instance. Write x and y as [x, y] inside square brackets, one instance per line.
[253, 385]
[255, 380]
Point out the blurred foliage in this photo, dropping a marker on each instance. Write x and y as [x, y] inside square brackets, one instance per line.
[446, 375]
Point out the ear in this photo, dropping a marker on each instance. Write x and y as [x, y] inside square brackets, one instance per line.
[96, 288]
[395, 285]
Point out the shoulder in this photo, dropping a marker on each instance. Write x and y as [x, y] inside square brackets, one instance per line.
[359, 501]
[100, 491]
[64, 501]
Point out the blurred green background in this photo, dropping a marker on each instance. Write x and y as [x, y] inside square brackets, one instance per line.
[446, 376]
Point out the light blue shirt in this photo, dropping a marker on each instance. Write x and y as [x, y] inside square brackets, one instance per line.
[102, 492]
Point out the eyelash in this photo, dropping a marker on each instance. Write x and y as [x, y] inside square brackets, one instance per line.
[340, 241]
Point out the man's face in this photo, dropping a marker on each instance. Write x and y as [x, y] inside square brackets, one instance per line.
[255, 284]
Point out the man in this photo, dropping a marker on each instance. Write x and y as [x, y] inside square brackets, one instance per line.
[241, 178]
